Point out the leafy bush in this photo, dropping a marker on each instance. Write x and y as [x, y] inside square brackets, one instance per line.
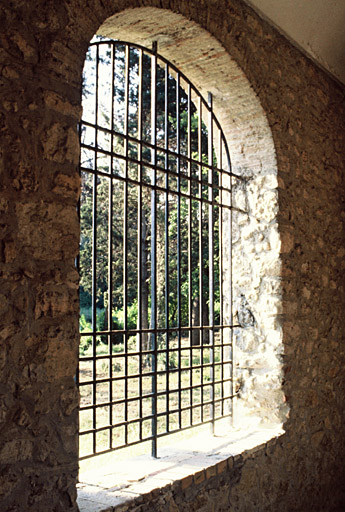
[102, 324]
[132, 316]
[85, 341]
[84, 298]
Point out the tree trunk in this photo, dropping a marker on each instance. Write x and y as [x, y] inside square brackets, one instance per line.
[205, 321]
[196, 321]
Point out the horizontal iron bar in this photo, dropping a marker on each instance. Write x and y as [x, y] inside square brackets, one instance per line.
[162, 330]
[165, 151]
[150, 352]
[205, 104]
[164, 190]
[159, 414]
[170, 172]
[149, 438]
[147, 395]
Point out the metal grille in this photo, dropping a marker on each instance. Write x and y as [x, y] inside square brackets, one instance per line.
[155, 255]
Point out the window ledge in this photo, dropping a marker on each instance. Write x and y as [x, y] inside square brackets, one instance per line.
[189, 461]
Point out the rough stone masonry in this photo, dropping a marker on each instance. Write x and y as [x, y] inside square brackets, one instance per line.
[43, 45]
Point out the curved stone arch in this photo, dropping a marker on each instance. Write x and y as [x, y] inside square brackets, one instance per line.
[256, 241]
[208, 65]
[42, 50]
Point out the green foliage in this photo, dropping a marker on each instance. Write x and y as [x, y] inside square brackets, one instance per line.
[173, 363]
[132, 315]
[120, 202]
[85, 341]
[84, 298]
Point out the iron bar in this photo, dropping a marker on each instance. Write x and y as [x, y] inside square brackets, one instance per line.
[158, 188]
[184, 195]
[133, 443]
[211, 251]
[169, 152]
[94, 266]
[140, 237]
[231, 292]
[125, 239]
[166, 236]
[221, 307]
[110, 245]
[201, 246]
[154, 245]
[159, 329]
[77, 260]
[160, 372]
[178, 228]
[190, 263]
[134, 399]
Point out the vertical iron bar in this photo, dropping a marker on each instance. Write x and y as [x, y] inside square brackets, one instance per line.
[140, 241]
[110, 247]
[77, 260]
[94, 267]
[166, 164]
[221, 315]
[231, 295]
[125, 239]
[201, 259]
[93, 305]
[190, 265]
[153, 244]
[178, 164]
[211, 253]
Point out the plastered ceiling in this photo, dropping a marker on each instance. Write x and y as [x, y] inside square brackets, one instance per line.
[317, 27]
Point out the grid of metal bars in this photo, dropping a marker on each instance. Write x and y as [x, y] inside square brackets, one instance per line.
[156, 335]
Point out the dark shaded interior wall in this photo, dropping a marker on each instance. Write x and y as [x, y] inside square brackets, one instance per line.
[43, 45]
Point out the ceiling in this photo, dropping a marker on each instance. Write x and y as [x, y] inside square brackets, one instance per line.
[317, 27]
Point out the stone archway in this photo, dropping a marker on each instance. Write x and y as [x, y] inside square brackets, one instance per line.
[43, 50]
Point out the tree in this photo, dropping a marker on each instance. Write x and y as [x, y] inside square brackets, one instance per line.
[122, 201]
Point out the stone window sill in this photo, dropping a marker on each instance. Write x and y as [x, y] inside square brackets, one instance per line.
[188, 462]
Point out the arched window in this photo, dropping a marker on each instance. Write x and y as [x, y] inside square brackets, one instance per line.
[155, 256]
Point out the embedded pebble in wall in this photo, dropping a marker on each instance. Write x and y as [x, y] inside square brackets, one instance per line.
[244, 314]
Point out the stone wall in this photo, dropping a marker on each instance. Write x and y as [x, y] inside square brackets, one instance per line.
[43, 46]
